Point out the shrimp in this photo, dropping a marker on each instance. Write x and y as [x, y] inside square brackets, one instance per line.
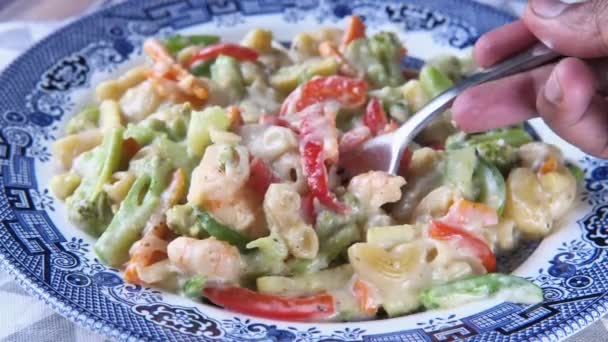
[167, 68]
[217, 260]
[151, 249]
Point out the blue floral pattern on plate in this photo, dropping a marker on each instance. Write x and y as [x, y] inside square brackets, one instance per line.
[56, 264]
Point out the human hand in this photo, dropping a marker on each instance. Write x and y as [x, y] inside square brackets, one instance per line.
[570, 95]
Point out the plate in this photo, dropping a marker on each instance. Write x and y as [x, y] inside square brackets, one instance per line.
[54, 261]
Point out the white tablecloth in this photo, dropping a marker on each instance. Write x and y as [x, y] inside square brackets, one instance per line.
[22, 317]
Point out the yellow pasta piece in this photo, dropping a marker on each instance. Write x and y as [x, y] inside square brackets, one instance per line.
[114, 89]
[109, 115]
[63, 185]
[282, 207]
[390, 236]
[117, 190]
[528, 203]
[258, 39]
[70, 146]
[561, 187]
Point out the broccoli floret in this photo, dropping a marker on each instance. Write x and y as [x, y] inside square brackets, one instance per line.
[267, 256]
[183, 220]
[498, 147]
[329, 222]
[379, 57]
[90, 213]
[135, 210]
[88, 207]
[503, 156]
[393, 102]
[387, 47]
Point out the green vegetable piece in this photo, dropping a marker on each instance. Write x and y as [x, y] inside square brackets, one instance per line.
[222, 232]
[329, 222]
[456, 141]
[203, 69]
[500, 155]
[329, 250]
[459, 168]
[226, 72]
[113, 245]
[577, 172]
[183, 220]
[449, 65]
[514, 136]
[492, 189]
[360, 54]
[175, 153]
[463, 291]
[88, 207]
[267, 256]
[200, 124]
[498, 147]
[387, 48]
[157, 168]
[193, 288]
[176, 43]
[112, 144]
[393, 102]
[433, 81]
[88, 118]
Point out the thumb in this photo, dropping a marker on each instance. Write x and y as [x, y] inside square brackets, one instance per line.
[576, 28]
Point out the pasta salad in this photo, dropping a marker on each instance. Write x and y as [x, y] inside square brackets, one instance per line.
[212, 170]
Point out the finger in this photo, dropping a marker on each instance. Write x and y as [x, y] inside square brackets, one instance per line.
[578, 29]
[502, 42]
[499, 103]
[576, 112]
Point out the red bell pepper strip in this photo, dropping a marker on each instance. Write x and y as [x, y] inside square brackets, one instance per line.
[228, 49]
[260, 176]
[307, 209]
[313, 165]
[375, 117]
[274, 120]
[315, 307]
[349, 92]
[443, 231]
[406, 159]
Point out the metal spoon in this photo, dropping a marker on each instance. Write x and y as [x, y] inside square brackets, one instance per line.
[384, 152]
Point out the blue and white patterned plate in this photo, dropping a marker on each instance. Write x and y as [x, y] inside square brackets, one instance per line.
[54, 261]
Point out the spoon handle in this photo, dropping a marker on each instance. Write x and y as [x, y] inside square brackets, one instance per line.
[536, 56]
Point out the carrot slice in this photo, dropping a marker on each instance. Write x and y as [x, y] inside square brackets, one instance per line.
[167, 67]
[548, 165]
[363, 293]
[354, 30]
[328, 49]
[464, 212]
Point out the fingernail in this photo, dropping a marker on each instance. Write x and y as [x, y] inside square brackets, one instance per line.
[553, 90]
[551, 8]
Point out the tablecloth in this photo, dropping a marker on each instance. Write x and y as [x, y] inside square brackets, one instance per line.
[24, 318]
